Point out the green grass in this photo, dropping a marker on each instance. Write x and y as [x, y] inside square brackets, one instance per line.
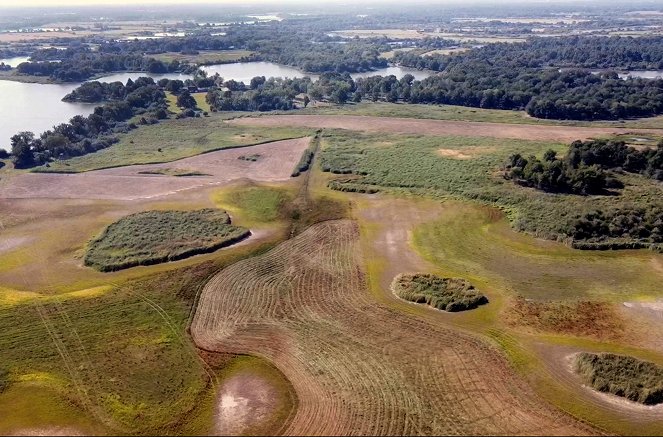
[462, 113]
[447, 294]
[416, 164]
[204, 57]
[171, 140]
[254, 204]
[119, 359]
[628, 377]
[154, 237]
[476, 242]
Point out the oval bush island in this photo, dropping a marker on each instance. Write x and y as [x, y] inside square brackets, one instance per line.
[154, 237]
[446, 294]
[628, 377]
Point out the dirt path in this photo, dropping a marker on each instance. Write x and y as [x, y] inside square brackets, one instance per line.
[358, 366]
[275, 162]
[438, 127]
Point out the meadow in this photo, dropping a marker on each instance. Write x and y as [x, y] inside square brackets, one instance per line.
[204, 57]
[154, 237]
[172, 140]
[470, 168]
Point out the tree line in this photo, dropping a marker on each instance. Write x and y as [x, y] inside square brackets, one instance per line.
[83, 135]
[587, 168]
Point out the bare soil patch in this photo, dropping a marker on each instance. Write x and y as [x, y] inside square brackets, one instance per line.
[439, 127]
[132, 183]
[10, 243]
[244, 401]
[46, 431]
[359, 366]
[467, 153]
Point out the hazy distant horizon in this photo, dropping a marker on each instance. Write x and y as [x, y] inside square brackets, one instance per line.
[91, 3]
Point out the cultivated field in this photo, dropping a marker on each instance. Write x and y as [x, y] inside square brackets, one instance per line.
[435, 127]
[277, 159]
[353, 362]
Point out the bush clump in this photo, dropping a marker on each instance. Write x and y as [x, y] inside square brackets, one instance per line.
[154, 237]
[628, 377]
[447, 294]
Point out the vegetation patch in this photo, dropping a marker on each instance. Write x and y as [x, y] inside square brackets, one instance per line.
[154, 237]
[252, 158]
[173, 172]
[413, 164]
[620, 375]
[447, 294]
[584, 318]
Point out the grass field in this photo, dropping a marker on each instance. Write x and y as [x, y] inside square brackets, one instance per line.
[205, 57]
[469, 168]
[153, 237]
[463, 113]
[171, 140]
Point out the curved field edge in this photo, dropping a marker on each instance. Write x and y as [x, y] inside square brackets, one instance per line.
[304, 306]
[477, 241]
[173, 140]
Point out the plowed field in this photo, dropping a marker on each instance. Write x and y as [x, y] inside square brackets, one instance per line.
[358, 366]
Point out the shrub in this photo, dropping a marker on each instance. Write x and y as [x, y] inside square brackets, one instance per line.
[447, 294]
[628, 377]
[153, 237]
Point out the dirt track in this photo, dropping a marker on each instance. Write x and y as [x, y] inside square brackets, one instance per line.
[360, 367]
[438, 127]
[276, 162]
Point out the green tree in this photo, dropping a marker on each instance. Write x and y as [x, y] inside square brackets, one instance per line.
[22, 151]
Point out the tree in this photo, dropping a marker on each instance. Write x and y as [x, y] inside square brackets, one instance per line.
[185, 100]
[22, 151]
[307, 100]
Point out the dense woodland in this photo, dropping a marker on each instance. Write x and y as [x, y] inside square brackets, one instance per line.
[587, 167]
[83, 135]
[548, 77]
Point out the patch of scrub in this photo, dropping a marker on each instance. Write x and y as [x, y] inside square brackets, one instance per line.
[447, 294]
[621, 375]
[154, 237]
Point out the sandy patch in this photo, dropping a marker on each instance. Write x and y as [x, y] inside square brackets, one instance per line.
[244, 401]
[10, 243]
[439, 127]
[133, 183]
[467, 153]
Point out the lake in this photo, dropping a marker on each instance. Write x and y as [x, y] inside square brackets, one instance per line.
[35, 107]
[38, 107]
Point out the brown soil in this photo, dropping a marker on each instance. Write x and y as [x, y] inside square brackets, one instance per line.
[244, 401]
[359, 366]
[438, 127]
[129, 183]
